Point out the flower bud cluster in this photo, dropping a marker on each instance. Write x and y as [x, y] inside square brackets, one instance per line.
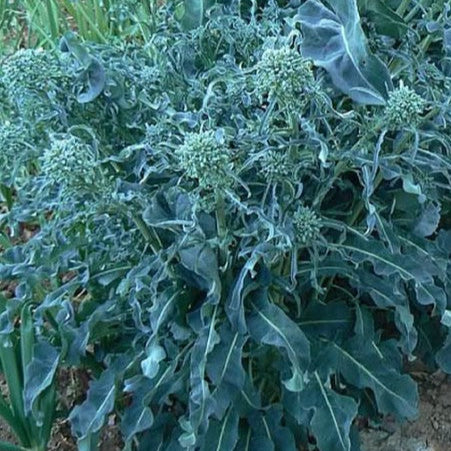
[404, 108]
[275, 166]
[204, 158]
[307, 225]
[285, 75]
[12, 147]
[31, 69]
[70, 163]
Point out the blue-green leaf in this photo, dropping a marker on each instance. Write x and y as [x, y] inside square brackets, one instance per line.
[364, 365]
[154, 355]
[88, 417]
[194, 12]
[407, 267]
[201, 261]
[333, 415]
[268, 324]
[428, 220]
[201, 401]
[224, 362]
[326, 320]
[443, 356]
[387, 21]
[222, 435]
[39, 375]
[334, 40]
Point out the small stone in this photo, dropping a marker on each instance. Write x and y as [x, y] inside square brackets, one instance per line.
[435, 424]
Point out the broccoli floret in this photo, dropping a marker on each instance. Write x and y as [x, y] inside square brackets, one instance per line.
[204, 158]
[307, 225]
[31, 70]
[275, 166]
[404, 108]
[72, 164]
[14, 147]
[285, 75]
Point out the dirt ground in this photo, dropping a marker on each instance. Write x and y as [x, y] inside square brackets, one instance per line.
[430, 432]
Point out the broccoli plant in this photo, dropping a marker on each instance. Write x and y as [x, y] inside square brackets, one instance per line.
[241, 228]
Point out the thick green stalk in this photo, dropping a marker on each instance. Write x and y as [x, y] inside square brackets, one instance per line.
[14, 423]
[403, 7]
[14, 379]
[5, 446]
[52, 19]
[94, 30]
[151, 238]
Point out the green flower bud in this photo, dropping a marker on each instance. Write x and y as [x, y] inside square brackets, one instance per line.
[71, 163]
[204, 158]
[404, 108]
[13, 147]
[151, 76]
[31, 69]
[307, 225]
[275, 166]
[285, 75]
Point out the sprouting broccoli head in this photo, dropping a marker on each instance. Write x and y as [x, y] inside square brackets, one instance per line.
[283, 74]
[307, 225]
[71, 163]
[14, 147]
[205, 158]
[31, 70]
[404, 108]
[276, 166]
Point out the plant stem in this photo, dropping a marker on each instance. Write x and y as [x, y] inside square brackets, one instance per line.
[5, 446]
[402, 7]
[153, 241]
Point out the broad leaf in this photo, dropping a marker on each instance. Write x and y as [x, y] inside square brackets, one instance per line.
[39, 375]
[93, 72]
[404, 266]
[443, 356]
[428, 220]
[268, 324]
[327, 320]
[224, 363]
[333, 415]
[386, 20]
[222, 435]
[194, 12]
[365, 367]
[201, 402]
[201, 261]
[334, 40]
[88, 417]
